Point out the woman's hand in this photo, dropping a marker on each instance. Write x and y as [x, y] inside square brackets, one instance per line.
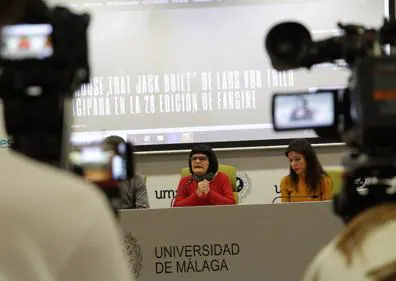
[203, 188]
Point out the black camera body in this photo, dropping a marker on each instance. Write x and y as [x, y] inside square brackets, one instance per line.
[362, 115]
[106, 166]
[373, 92]
[103, 165]
[43, 60]
[52, 54]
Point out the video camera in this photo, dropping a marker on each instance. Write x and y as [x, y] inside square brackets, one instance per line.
[104, 165]
[43, 61]
[363, 114]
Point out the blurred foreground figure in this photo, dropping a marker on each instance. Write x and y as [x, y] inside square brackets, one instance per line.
[54, 226]
[11, 10]
[364, 251]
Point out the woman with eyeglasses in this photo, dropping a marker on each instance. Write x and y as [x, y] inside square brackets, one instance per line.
[206, 185]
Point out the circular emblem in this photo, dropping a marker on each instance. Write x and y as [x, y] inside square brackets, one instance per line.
[360, 182]
[242, 185]
[5, 143]
[360, 185]
[135, 255]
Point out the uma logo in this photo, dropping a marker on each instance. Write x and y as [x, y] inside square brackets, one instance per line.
[165, 194]
[242, 185]
[135, 255]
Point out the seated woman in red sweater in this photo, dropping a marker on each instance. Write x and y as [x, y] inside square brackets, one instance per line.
[206, 185]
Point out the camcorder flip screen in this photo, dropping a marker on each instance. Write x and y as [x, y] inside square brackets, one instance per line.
[26, 41]
[99, 165]
[308, 110]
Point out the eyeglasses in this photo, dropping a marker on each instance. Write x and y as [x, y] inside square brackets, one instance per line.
[200, 158]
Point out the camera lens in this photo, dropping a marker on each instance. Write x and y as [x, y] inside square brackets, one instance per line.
[288, 42]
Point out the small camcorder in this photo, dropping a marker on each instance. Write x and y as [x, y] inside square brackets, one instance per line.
[104, 166]
[44, 54]
[43, 61]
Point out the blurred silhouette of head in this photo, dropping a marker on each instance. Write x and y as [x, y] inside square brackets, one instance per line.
[112, 142]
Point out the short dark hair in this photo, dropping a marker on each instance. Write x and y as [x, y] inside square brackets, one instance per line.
[207, 150]
[113, 141]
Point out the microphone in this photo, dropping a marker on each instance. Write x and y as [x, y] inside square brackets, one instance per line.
[190, 180]
[291, 197]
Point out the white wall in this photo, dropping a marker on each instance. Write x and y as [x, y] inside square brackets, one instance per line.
[263, 168]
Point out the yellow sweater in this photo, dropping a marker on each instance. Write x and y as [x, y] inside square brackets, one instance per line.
[289, 193]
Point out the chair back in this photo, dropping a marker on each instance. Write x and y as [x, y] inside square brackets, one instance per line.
[336, 177]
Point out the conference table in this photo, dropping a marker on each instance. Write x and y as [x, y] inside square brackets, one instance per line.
[230, 243]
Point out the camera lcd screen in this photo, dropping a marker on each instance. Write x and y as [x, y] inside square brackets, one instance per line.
[26, 41]
[101, 165]
[303, 110]
[119, 163]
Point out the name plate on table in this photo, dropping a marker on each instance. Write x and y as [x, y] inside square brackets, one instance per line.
[230, 243]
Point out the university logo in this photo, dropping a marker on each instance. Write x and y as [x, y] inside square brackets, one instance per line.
[360, 182]
[135, 255]
[360, 185]
[5, 143]
[242, 185]
[165, 194]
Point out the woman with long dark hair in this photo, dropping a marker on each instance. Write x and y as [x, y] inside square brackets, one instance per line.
[307, 181]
